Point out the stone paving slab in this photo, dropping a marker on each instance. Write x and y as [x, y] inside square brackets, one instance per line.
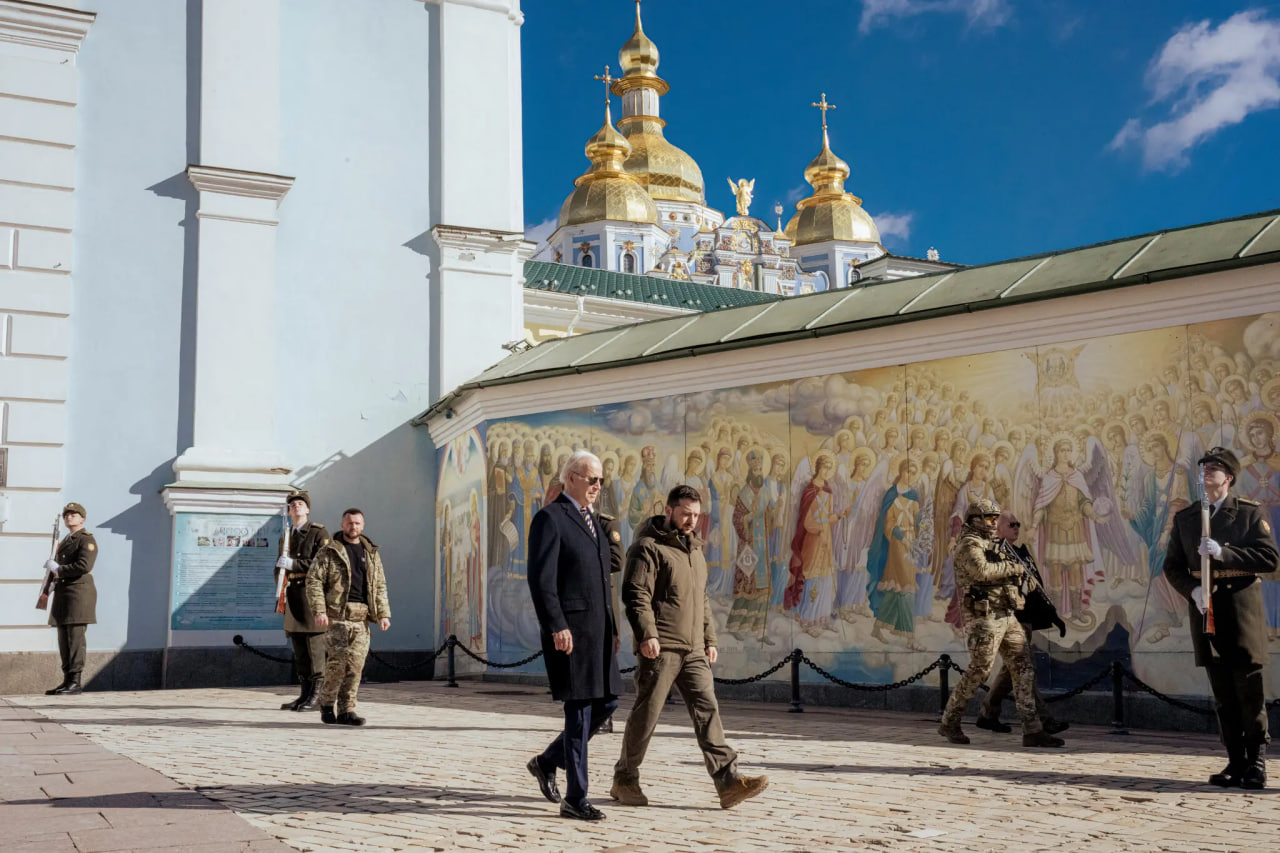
[440, 769]
[60, 791]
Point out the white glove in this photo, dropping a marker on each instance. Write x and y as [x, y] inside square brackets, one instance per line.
[1210, 548]
[51, 565]
[285, 563]
[1197, 595]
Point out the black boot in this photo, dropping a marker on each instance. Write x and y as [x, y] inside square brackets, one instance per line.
[56, 691]
[310, 696]
[302, 695]
[1254, 777]
[72, 687]
[1232, 773]
[327, 716]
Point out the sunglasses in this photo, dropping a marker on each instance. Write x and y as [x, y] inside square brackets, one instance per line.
[990, 517]
[591, 481]
[1015, 524]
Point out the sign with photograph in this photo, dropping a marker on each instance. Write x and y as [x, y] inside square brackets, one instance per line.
[224, 572]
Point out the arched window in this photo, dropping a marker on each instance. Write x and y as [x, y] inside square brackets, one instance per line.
[629, 262]
[587, 260]
[821, 283]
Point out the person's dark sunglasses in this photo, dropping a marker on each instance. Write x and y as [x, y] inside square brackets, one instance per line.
[591, 481]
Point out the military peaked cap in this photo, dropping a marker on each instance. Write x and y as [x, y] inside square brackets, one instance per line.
[298, 495]
[1224, 458]
[74, 507]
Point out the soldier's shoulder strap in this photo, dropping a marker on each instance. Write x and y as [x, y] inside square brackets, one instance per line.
[1247, 502]
[604, 516]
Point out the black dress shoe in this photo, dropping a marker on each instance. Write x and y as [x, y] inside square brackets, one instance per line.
[349, 718]
[327, 716]
[546, 781]
[1228, 778]
[584, 812]
[992, 724]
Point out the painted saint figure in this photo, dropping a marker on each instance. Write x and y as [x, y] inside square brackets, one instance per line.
[890, 566]
[751, 565]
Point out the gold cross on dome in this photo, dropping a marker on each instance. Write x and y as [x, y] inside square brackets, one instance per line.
[607, 80]
[824, 106]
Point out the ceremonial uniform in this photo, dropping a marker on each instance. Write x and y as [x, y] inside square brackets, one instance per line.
[307, 638]
[990, 583]
[75, 601]
[1235, 655]
[352, 596]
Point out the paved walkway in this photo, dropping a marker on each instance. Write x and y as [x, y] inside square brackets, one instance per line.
[440, 769]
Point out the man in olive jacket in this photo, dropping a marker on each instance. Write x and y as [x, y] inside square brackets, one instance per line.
[346, 590]
[308, 639]
[75, 598]
[664, 591]
[1241, 546]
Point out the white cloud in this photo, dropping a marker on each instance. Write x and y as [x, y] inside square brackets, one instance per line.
[986, 14]
[1211, 79]
[796, 193]
[894, 226]
[538, 233]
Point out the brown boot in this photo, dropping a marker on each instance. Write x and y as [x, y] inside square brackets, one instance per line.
[742, 788]
[952, 732]
[628, 793]
[1041, 739]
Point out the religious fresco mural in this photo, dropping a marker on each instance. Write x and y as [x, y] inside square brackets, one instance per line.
[461, 535]
[831, 502]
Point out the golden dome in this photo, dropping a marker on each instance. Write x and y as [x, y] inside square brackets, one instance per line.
[607, 190]
[665, 171]
[830, 213]
[639, 56]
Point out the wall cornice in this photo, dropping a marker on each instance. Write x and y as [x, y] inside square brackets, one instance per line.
[43, 25]
[238, 182]
[459, 238]
[510, 8]
[1195, 299]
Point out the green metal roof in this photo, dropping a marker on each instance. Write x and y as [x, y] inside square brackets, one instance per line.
[1162, 255]
[588, 281]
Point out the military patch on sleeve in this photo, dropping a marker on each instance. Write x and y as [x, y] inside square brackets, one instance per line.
[92, 547]
[1266, 528]
[617, 537]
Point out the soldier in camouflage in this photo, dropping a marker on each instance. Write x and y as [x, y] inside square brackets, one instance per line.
[991, 583]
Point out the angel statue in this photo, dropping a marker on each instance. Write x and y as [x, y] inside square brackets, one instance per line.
[742, 191]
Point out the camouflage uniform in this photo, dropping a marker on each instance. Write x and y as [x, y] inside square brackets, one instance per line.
[992, 592]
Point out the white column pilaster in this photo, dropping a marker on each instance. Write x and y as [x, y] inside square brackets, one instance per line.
[480, 277]
[240, 192]
[39, 82]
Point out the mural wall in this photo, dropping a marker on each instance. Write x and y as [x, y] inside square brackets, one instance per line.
[830, 502]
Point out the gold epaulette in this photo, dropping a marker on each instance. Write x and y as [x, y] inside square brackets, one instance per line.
[1247, 502]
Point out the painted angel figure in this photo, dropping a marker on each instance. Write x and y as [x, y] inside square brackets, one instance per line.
[743, 191]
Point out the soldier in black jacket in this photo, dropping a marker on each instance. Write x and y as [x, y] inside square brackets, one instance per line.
[305, 541]
[1241, 546]
[75, 598]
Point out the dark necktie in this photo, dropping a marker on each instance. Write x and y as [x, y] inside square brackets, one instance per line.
[586, 516]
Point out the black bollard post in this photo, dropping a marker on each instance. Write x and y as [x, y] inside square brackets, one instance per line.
[1117, 699]
[451, 642]
[944, 682]
[797, 707]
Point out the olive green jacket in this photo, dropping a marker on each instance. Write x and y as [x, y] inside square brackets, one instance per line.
[664, 589]
[75, 597]
[329, 582]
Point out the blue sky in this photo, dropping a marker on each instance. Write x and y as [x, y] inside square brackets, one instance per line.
[986, 128]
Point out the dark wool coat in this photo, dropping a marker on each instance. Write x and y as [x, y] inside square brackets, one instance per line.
[569, 582]
[1248, 545]
[75, 598]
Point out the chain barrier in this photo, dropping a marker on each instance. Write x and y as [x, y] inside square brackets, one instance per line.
[240, 641]
[870, 688]
[430, 660]
[754, 678]
[1076, 691]
[1147, 688]
[477, 657]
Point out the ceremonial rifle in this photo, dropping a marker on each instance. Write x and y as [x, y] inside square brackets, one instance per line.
[282, 575]
[1206, 573]
[46, 588]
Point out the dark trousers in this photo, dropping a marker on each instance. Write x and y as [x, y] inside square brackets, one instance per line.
[690, 672]
[308, 656]
[1239, 699]
[72, 649]
[582, 719]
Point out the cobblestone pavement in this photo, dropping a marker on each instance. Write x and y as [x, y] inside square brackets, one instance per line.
[441, 769]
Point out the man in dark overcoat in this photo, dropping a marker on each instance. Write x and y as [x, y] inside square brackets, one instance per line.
[569, 563]
[75, 598]
[1241, 546]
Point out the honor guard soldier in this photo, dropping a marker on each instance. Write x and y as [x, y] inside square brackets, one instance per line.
[991, 583]
[75, 598]
[306, 538]
[1241, 546]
